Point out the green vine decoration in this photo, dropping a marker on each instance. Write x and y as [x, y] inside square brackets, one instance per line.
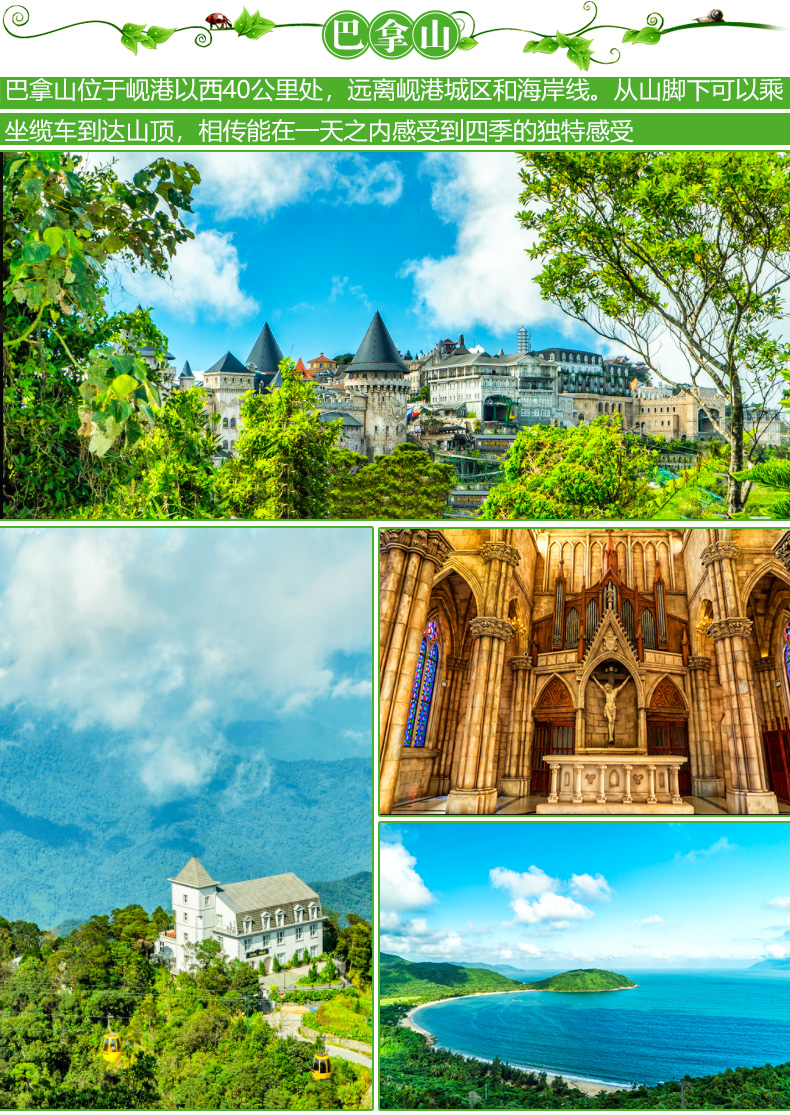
[578, 48]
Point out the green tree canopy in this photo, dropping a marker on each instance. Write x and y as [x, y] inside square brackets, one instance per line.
[405, 484]
[74, 387]
[588, 472]
[284, 451]
[684, 250]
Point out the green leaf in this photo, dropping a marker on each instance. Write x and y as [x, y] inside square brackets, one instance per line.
[35, 252]
[129, 43]
[160, 34]
[243, 23]
[580, 56]
[467, 43]
[629, 36]
[132, 28]
[546, 45]
[148, 42]
[648, 35]
[253, 26]
[122, 385]
[564, 40]
[54, 237]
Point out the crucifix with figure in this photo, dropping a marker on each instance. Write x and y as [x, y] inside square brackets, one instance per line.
[610, 673]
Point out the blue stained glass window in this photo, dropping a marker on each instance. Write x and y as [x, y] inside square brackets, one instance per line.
[415, 692]
[427, 694]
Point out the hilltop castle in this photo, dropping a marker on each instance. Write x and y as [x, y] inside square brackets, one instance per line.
[254, 921]
[368, 394]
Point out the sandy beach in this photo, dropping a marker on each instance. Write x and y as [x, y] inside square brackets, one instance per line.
[588, 1087]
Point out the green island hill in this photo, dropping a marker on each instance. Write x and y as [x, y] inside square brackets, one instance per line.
[583, 979]
[426, 981]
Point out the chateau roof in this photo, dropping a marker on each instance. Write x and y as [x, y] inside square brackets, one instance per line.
[230, 363]
[301, 370]
[333, 415]
[378, 353]
[186, 371]
[275, 892]
[265, 354]
[318, 359]
[194, 874]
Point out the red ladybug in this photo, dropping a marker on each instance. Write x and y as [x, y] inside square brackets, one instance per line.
[217, 20]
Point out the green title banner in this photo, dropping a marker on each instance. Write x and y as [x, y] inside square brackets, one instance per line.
[311, 129]
[407, 93]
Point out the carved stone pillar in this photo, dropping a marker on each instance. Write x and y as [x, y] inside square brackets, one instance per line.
[627, 799]
[516, 779]
[744, 771]
[675, 784]
[705, 783]
[578, 799]
[651, 784]
[455, 672]
[746, 787]
[554, 786]
[408, 589]
[601, 799]
[476, 791]
[765, 672]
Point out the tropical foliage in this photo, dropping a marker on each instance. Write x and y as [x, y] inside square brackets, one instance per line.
[588, 472]
[198, 1040]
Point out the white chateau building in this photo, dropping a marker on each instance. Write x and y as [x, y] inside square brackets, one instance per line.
[254, 921]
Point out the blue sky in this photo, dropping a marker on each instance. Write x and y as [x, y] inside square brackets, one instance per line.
[315, 242]
[619, 895]
[165, 638]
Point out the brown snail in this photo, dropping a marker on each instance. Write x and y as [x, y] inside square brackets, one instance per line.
[715, 15]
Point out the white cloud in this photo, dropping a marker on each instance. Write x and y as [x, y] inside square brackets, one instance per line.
[347, 687]
[654, 919]
[522, 884]
[594, 888]
[487, 278]
[258, 184]
[390, 920]
[555, 908]
[528, 949]
[113, 629]
[204, 278]
[720, 845]
[782, 902]
[777, 952]
[401, 888]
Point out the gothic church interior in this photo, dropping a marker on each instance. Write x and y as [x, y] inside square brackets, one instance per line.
[566, 671]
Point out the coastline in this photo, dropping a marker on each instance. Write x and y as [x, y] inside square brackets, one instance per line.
[583, 1084]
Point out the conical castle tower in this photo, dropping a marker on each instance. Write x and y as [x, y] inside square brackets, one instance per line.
[378, 372]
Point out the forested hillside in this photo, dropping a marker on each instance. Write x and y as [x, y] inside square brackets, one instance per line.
[401, 979]
[70, 839]
[195, 1041]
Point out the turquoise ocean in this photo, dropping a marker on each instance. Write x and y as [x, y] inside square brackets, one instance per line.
[672, 1025]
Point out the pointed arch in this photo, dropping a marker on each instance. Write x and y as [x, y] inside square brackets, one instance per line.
[667, 696]
[554, 695]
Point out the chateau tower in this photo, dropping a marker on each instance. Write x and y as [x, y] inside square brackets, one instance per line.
[378, 372]
[264, 359]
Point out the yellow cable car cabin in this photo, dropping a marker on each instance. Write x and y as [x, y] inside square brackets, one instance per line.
[111, 1047]
[322, 1067]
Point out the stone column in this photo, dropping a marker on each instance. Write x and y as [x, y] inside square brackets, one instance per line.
[455, 673]
[407, 602]
[627, 799]
[578, 798]
[651, 785]
[765, 672]
[476, 791]
[704, 781]
[601, 799]
[745, 783]
[516, 779]
[746, 790]
[641, 742]
[674, 784]
[554, 786]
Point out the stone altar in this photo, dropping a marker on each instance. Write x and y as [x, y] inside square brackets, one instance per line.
[614, 782]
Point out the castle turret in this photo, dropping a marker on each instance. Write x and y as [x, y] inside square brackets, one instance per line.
[378, 372]
[264, 359]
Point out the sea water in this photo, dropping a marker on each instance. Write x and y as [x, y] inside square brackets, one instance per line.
[671, 1025]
